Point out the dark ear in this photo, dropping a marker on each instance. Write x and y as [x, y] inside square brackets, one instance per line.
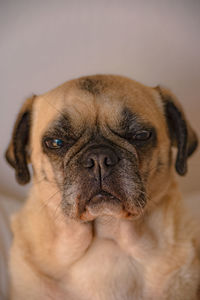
[17, 152]
[182, 135]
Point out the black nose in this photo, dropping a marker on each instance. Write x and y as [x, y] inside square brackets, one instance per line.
[100, 162]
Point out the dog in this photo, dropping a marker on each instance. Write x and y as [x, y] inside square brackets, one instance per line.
[104, 219]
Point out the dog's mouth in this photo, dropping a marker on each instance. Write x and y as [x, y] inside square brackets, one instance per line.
[102, 197]
[104, 203]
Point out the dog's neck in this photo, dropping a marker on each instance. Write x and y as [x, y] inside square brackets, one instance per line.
[70, 240]
[134, 235]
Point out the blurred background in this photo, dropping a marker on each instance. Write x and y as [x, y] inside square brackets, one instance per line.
[44, 43]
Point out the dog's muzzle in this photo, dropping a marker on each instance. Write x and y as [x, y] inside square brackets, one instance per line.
[103, 180]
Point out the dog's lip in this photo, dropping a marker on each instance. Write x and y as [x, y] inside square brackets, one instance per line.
[102, 196]
[101, 200]
[108, 201]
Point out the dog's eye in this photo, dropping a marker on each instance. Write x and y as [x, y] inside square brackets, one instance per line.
[142, 135]
[54, 143]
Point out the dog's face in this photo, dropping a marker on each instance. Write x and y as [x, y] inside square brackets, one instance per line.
[103, 143]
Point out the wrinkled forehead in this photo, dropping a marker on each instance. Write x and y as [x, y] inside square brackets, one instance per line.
[91, 100]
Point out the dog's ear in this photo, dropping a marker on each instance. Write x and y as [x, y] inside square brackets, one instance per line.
[17, 154]
[182, 135]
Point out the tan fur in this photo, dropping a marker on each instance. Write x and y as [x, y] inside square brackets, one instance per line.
[55, 257]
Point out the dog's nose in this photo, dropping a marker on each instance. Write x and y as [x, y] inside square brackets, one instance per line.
[100, 162]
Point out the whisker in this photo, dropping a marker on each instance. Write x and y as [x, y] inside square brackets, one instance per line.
[55, 212]
[155, 167]
[45, 203]
[60, 185]
[39, 180]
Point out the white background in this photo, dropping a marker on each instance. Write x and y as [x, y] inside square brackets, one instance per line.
[44, 43]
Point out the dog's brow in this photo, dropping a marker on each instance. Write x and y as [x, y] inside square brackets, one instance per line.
[130, 120]
[61, 127]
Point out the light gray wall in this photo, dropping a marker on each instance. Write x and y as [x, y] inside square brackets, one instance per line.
[44, 43]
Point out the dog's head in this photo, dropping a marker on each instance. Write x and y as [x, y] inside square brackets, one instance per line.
[103, 143]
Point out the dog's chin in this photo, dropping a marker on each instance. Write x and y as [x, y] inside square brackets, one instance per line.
[105, 204]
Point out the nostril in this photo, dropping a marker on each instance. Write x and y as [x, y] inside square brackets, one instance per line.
[89, 163]
[110, 161]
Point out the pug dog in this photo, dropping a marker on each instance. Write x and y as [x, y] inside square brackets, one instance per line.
[104, 218]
